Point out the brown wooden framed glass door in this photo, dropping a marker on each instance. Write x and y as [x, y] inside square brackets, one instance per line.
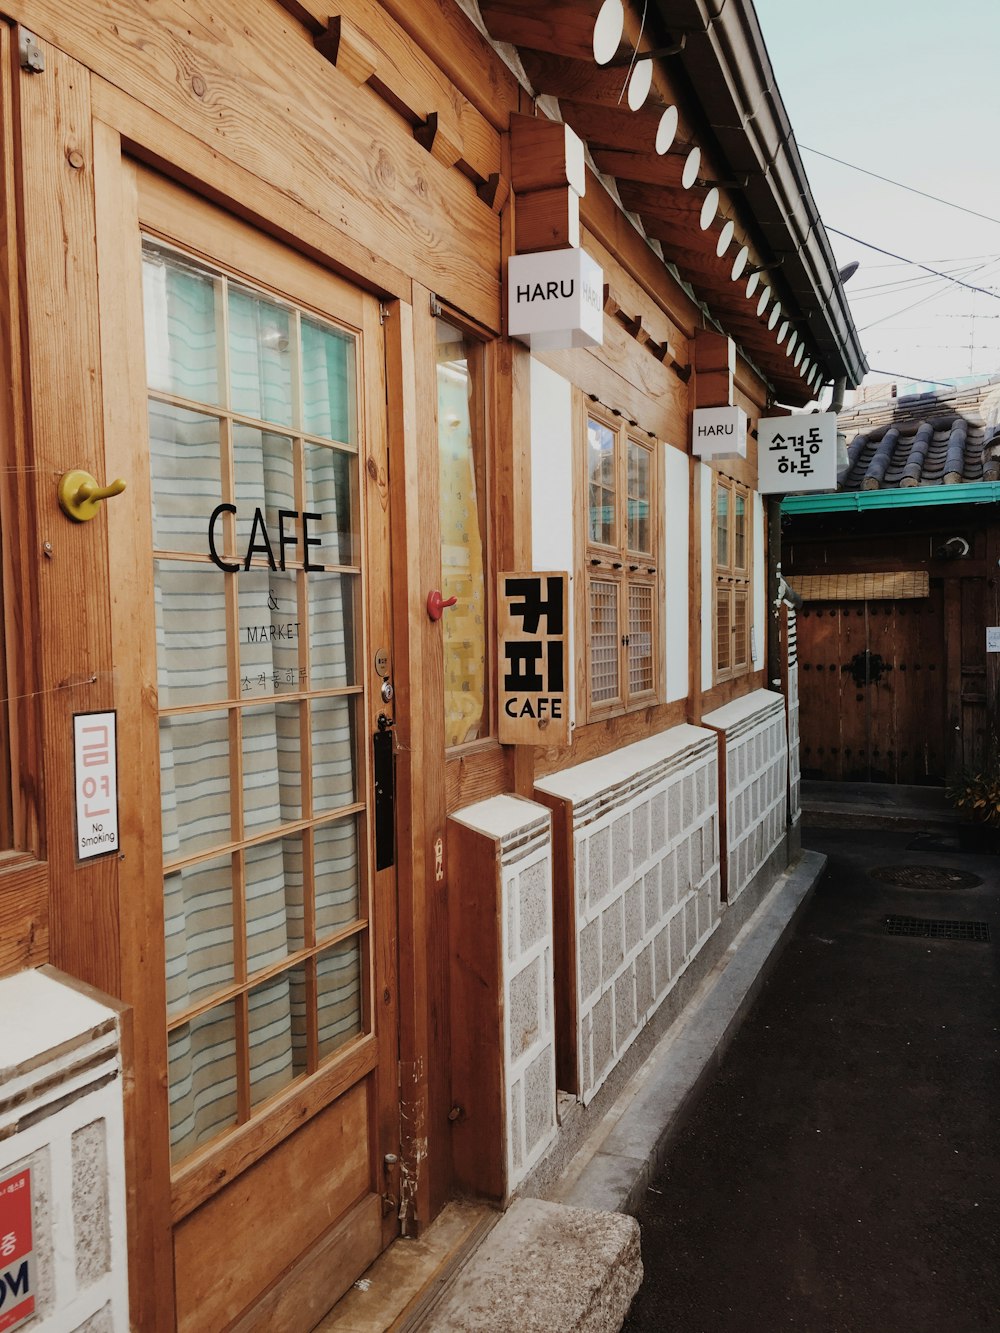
[258, 492]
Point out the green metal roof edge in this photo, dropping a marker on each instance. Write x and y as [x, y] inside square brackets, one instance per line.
[901, 497]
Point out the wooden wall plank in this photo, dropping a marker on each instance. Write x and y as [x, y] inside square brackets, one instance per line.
[195, 164]
[20, 544]
[319, 1174]
[475, 774]
[24, 916]
[420, 799]
[462, 53]
[299, 1299]
[385, 993]
[477, 1035]
[211, 71]
[130, 542]
[566, 1007]
[66, 431]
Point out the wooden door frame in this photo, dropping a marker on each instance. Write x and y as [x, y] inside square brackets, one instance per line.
[69, 158]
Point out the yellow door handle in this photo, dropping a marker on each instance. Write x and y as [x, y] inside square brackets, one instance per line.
[80, 495]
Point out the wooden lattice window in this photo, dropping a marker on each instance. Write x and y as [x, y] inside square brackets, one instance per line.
[732, 579]
[621, 659]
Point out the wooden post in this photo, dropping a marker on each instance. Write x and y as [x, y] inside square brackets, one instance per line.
[423, 924]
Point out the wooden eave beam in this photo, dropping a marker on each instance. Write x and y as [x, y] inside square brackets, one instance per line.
[577, 80]
[562, 27]
[642, 168]
[612, 127]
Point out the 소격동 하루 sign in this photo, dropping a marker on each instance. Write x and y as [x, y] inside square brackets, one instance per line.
[555, 299]
[797, 453]
[534, 667]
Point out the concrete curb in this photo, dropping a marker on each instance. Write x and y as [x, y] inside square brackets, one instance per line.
[613, 1170]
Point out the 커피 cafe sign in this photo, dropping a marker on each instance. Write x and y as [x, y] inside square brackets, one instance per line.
[534, 682]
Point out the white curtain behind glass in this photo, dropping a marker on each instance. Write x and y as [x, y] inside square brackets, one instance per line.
[183, 336]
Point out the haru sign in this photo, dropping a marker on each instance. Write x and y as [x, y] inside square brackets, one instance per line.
[797, 453]
[719, 433]
[555, 299]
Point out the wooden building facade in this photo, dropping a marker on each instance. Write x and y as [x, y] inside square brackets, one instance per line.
[254, 256]
[899, 675]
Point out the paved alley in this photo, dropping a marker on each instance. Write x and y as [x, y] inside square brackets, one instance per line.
[841, 1173]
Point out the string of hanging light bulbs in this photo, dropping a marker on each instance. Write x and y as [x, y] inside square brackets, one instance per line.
[609, 32]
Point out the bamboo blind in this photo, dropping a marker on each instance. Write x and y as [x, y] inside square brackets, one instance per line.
[863, 587]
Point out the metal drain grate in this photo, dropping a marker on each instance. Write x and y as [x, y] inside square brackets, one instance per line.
[926, 877]
[977, 932]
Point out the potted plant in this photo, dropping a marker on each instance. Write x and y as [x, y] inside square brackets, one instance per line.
[976, 794]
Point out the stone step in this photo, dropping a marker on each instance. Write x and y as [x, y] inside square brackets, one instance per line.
[545, 1268]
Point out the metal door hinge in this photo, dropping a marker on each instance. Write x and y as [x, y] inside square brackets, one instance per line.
[31, 54]
[436, 309]
[383, 312]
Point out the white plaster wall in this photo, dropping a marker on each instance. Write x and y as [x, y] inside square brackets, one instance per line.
[676, 556]
[647, 883]
[552, 488]
[551, 469]
[707, 580]
[760, 584]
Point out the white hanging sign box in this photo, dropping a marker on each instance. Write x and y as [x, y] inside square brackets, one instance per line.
[797, 453]
[993, 638]
[555, 299]
[719, 432]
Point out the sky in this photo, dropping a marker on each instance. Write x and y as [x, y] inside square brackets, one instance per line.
[910, 91]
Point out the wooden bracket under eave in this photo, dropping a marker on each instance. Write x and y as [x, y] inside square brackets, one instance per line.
[346, 46]
[634, 326]
[441, 138]
[495, 191]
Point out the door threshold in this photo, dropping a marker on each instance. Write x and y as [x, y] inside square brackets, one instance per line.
[395, 1293]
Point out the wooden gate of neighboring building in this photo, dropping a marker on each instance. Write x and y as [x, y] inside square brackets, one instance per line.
[872, 690]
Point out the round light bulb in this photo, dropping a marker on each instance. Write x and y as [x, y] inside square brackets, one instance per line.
[725, 238]
[608, 29]
[666, 130]
[640, 83]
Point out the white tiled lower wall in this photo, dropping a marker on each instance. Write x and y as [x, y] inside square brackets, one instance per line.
[755, 782]
[519, 831]
[529, 1037]
[646, 857]
[61, 1120]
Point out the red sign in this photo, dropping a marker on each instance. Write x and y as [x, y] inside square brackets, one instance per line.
[17, 1302]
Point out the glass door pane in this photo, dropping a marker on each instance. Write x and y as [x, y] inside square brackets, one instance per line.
[256, 500]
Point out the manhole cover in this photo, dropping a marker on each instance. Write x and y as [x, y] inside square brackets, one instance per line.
[926, 877]
[977, 932]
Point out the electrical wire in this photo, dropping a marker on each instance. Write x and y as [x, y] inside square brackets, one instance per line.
[882, 289]
[917, 379]
[899, 184]
[931, 296]
[927, 269]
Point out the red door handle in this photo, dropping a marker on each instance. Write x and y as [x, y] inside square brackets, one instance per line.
[436, 603]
